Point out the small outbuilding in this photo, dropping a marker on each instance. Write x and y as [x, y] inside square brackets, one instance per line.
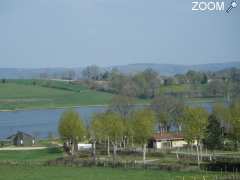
[82, 146]
[22, 139]
[167, 140]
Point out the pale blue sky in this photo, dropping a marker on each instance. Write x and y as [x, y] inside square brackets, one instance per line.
[75, 33]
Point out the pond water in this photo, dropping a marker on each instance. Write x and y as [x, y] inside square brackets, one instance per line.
[43, 122]
[39, 122]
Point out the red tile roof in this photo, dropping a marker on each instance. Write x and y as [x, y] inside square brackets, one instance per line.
[168, 136]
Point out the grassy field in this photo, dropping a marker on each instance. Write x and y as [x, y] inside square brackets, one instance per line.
[31, 155]
[9, 172]
[26, 96]
[29, 166]
[36, 94]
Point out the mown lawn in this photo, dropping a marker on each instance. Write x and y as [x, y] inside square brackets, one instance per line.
[11, 172]
[30, 166]
[31, 155]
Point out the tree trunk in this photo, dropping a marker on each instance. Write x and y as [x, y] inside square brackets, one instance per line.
[144, 153]
[132, 142]
[179, 128]
[198, 157]
[124, 142]
[114, 153]
[94, 150]
[201, 151]
[72, 147]
[108, 146]
[177, 154]
[127, 141]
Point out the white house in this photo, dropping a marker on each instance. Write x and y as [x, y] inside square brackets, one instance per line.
[167, 140]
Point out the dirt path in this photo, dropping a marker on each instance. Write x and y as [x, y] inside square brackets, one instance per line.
[21, 148]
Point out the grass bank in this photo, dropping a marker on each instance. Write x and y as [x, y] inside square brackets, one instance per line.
[93, 173]
[22, 96]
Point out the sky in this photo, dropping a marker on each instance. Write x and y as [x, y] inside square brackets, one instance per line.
[77, 33]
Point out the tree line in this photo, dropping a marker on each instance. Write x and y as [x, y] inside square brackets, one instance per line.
[125, 125]
[147, 84]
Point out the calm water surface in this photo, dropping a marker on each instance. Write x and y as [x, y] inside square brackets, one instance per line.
[43, 122]
[39, 122]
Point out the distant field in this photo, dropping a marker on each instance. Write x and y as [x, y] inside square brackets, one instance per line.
[9, 172]
[22, 94]
[32, 94]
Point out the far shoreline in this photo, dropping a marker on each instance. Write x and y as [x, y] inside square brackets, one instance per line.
[64, 107]
[200, 100]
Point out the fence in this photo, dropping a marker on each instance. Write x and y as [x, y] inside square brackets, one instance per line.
[115, 164]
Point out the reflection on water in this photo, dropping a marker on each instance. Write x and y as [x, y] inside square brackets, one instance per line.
[42, 122]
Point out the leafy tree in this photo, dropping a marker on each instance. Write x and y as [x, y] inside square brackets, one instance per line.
[143, 122]
[169, 81]
[129, 88]
[97, 132]
[195, 121]
[168, 111]
[223, 114]
[147, 83]
[235, 123]
[181, 78]
[92, 72]
[204, 79]
[4, 81]
[122, 105]
[69, 74]
[151, 77]
[216, 88]
[71, 128]
[141, 85]
[106, 75]
[214, 137]
[117, 82]
[110, 125]
[235, 75]
[235, 92]
[195, 77]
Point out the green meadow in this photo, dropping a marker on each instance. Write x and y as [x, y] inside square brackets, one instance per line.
[17, 95]
[15, 172]
[38, 94]
[30, 165]
[21, 156]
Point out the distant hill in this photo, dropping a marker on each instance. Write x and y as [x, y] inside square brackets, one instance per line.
[28, 73]
[163, 69]
[171, 69]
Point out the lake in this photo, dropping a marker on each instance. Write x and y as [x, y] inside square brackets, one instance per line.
[39, 122]
[43, 122]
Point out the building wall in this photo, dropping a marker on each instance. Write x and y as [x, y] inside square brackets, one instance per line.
[82, 146]
[179, 143]
[25, 141]
[169, 144]
[162, 144]
[157, 145]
